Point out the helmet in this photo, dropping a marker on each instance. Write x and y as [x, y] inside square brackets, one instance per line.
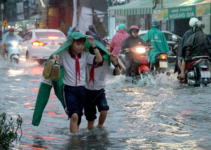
[199, 24]
[11, 29]
[133, 28]
[117, 28]
[193, 21]
[155, 23]
[121, 27]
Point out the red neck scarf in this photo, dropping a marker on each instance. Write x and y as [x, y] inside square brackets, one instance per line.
[77, 67]
[92, 74]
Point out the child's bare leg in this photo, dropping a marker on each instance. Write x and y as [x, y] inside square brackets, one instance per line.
[74, 123]
[90, 124]
[102, 118]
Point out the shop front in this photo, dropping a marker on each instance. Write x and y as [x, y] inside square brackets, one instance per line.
[177, 18]
[174, 15]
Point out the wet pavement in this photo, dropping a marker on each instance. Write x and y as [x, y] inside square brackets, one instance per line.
[160, 115]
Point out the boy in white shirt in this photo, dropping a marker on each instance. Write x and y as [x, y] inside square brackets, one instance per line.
[74, 62]
[95, 93]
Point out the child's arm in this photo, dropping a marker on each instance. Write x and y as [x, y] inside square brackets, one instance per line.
[98, 58]
[115, 63]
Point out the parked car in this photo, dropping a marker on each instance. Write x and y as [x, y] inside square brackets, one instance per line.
[39, 44]
[170, 38]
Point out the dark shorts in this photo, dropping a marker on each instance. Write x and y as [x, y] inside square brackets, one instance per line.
[95, 98]
[74, 98]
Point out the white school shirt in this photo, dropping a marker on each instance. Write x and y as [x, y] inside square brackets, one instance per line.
[99, 76]
[68, 62]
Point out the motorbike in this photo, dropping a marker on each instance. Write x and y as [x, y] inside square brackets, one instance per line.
[198, 71]
[141, 65]
[160, 64]
[12, 51]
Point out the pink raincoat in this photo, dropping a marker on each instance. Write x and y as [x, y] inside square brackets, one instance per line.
[116, 41]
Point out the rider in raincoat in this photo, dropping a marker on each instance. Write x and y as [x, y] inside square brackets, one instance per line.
[46, 85]
[158, 41]
[198, 44]
[9, 36]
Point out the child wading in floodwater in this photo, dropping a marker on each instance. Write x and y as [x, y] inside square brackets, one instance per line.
[95, 92]
[74, 62]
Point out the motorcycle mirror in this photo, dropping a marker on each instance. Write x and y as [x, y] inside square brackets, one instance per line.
[174, 37]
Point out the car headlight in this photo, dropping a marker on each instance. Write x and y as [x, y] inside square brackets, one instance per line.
[141, 50]
[14, 44]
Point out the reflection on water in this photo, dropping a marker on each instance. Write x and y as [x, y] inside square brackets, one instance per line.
[156, 113]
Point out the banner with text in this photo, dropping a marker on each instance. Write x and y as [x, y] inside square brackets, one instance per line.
[182, 12]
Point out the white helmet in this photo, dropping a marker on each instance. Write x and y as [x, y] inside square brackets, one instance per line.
[193, 21]
[117, 28]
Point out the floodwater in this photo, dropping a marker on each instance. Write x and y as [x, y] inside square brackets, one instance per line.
[160, 115]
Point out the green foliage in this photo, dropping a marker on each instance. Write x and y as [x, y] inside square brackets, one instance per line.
[8, 130]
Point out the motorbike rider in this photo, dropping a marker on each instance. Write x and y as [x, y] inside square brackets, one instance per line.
[198, 44]
[184, 39]
[9, 36]
[158, 41]
[116, 41]
[93, 32]
[130, 42]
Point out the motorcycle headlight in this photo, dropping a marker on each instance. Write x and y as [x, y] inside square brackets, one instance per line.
[14, 44]
[141, 50]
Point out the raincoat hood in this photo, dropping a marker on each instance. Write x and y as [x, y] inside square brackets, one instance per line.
[46, 85]
[158, 41]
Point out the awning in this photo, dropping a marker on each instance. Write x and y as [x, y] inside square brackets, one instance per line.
[195, 8]
[133, 8]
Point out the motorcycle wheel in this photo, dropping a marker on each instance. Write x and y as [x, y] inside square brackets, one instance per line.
[144, 74]
[171, 60]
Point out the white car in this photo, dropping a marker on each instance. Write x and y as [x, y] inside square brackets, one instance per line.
[39, 44]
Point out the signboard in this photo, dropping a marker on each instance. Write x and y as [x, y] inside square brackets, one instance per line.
[42, 25]
[182, 12]
[203, 10]
[44, 15]
[19, 7]
[30, 26]
[161, 14]
[26, 9]
[5, 23]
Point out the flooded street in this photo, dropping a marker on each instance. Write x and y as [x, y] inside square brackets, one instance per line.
[161, 115]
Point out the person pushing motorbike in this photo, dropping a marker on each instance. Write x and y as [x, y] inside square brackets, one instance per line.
[131, 41]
